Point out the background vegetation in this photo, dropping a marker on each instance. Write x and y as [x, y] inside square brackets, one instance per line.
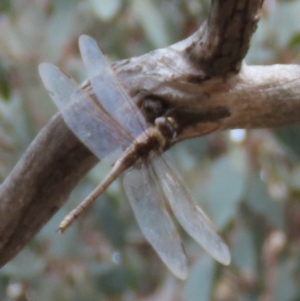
[248, 182]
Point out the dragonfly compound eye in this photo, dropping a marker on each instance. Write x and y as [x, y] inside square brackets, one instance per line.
[153, 108]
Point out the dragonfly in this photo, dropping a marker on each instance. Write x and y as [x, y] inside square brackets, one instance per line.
[112, 127]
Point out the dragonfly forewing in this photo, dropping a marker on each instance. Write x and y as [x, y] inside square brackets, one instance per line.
[113, 130]
[99, 132]
[189, 215]
[108, 89]
[147, 202]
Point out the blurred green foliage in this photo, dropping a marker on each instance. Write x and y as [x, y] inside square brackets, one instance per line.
[5, 5]
[249, 187]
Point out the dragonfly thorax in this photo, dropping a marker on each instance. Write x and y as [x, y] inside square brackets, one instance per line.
[167, 127]
[155, 138]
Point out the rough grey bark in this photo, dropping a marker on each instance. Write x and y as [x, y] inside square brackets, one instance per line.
[199, 81]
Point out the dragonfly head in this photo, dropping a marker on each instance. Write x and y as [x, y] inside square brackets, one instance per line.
[167, 126]
[153, 107]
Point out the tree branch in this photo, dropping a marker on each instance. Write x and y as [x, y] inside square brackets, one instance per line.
[225, 38]
[195, 81]
[40, 184]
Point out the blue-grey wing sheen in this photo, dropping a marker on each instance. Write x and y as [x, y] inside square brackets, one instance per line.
[108, 89]
[147, 202]
[189, 215]
[100, 133]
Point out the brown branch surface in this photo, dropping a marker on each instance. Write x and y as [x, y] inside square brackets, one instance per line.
[195, 81]
[225, 38]
[40, 184]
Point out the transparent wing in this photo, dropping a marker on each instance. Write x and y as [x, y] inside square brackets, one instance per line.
[190, 216]
[108, 89]
[147, 202]
[100, 133]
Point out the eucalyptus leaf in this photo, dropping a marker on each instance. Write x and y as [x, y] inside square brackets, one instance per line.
[110, 222]
[105, 9]
[25, 265]
[259, 201]
[5, 88]
[295, 41]
[61, 26]
[290, 136]
[286, 287]
[243, 251]
[152, 21]
[228, 182]
[200, 282]
[5, 5]
[115, 281]
[4, 282]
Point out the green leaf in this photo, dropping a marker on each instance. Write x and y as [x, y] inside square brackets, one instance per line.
[294, 41]
[25, 265]
[286, 288]
[105, 9]
[200, 283]
[112, 280]
[5, 5]
[110, 222]
[259, 201]
[227, 187]
[153, 22]
[243, 250]
[4, 82]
